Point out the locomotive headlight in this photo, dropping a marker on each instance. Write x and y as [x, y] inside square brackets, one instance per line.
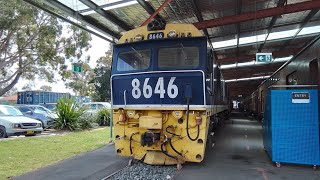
[172, 34]
[177, 114]
[139, 37]
[131, 113]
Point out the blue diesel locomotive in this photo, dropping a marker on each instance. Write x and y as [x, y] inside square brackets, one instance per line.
[167, 94]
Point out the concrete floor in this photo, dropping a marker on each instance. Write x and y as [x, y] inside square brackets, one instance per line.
[238, 154]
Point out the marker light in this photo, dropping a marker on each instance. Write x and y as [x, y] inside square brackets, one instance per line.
[139, 37]
[131, 113]
[172, 34]
[177, 114]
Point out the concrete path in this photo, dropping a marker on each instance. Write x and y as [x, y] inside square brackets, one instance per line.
[238, 155]
[92, 165]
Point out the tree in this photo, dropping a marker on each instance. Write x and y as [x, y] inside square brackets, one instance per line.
[81, 83]
[102, 77]
[32, 43]
[28, 87]
[46, 88]
[11, 92]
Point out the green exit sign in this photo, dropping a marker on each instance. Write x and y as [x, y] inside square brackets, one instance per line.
[76, 68]
[263, 57]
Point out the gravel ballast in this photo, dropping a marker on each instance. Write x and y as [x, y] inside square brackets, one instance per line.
[139, 171]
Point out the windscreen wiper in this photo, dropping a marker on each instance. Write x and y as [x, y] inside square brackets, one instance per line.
[185, 56]
[141, 56]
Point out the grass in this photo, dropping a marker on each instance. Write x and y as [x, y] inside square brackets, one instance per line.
[22, 155]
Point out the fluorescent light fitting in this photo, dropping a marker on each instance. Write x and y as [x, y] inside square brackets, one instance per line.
[124, 4]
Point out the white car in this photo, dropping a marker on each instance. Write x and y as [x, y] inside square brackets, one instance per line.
[13, 123]
[94, 107]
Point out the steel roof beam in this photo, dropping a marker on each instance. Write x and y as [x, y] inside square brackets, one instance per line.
[251, 57]
[269, 41]
[256, 68]
[239, 4]
[88, 20]
[107, 15]
[200, 18]
[289, 8]
[302, 25]
[156, 12]
[148, 8]
[272, 23]
[242, 76]
[259, 29]
[67, 20]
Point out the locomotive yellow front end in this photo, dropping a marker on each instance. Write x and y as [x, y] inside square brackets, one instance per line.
[161, 100]
[160, 136]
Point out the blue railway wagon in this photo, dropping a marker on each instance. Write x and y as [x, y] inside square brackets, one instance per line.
[291, 126]
[82, 99]
[39, 97]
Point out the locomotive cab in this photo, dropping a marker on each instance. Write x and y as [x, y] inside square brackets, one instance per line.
[162, 94]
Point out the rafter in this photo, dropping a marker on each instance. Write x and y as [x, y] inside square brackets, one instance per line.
[88, 20]
[264, 13]
[272, 23]
[302, 25]
[67, 20]
[146, 6]
[205, 31]
[107, 15]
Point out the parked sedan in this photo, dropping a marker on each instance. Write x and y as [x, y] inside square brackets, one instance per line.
[38, 112]
[13, 123]
[94, 107]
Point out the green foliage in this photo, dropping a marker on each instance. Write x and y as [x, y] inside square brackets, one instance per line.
[46, 88]
[81, 82]
[87, 121]
[102, 84]
[103, 117]
[102, 77]
[32, 43]
[69, 113]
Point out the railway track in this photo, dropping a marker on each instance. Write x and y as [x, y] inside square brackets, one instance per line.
[136, 170]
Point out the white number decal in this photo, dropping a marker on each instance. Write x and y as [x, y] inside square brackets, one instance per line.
[172, 87]
[136, 93]
[160, 88]
[147, 89]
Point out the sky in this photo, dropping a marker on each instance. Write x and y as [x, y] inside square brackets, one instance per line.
[98, 49]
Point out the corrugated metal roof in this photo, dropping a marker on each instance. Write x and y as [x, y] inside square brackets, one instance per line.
[133, 13]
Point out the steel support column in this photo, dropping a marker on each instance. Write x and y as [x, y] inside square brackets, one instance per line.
[107, 15]
[289, 8]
